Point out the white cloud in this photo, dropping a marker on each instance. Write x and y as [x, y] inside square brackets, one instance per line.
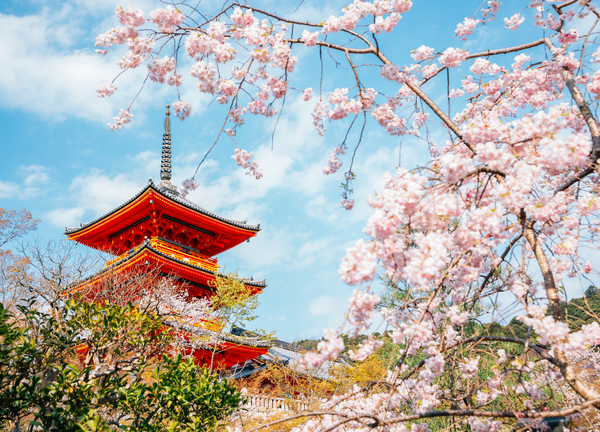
[8, 189]
[98, 193]
[33, 181]
[324, 306]
[48, 75]
[95, 194]
[65, 217]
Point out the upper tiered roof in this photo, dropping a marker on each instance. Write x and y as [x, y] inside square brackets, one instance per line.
[161, 211]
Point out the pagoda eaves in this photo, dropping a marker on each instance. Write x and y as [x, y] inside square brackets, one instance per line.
[232, 350]
[162, 212]
[196, 272]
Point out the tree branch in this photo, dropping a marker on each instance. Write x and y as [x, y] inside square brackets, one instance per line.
[582, 388]
[587, 116]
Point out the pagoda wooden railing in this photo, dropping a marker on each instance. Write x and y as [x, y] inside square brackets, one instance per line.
[271, 403]
[178, 252]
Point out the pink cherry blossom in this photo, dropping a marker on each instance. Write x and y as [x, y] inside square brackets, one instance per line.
[430, 70]
[329, 349]
[348, 204]
[242, 158]
[502, 357]
[132, 17]
[457, 317]
[360, 263]
[182, 109]
[167, 19]
[123, 118]
[490, 12]
[385, 24]
[115, 36]
[361, 310]
[333, 164]
[188, 185]
[422, 53]
[205, 72]
[514, 21]
[160, 67]
[310, 39]
[453, 57]
[568, 38]
[480, 66]
[243, 19]
[237, 115]
[104, 89]
[469, 367]
[465, 28]
[307, 95]
[366, 349]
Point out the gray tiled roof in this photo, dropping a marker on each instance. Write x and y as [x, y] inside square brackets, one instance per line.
[174, 197]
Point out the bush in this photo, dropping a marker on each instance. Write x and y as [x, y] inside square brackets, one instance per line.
[101, 367]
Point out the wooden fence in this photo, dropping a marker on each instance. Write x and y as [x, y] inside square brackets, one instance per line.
[270, 403]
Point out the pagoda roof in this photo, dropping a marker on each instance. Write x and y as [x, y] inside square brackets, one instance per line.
[195, 272]
[230, 350]
[127, 215]
[227, 337]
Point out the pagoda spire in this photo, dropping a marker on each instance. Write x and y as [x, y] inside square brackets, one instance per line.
[165, 161]
[165, 164]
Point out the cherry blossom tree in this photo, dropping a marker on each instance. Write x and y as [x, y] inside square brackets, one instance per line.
[505, 205]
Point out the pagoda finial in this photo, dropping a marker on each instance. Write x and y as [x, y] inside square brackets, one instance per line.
[165, 165]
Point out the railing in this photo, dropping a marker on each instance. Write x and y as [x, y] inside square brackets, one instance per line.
[188, 255]
[275, 403]
[122, 256]
[178, 252]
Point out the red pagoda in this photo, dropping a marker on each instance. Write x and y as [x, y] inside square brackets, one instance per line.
[161, 228]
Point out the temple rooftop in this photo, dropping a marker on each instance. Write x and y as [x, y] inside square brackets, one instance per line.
[172, 195]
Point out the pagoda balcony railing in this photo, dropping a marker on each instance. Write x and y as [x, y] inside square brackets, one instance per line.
[181, 253]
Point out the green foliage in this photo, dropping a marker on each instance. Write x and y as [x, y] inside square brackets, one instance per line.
[233, 303]
[577, 313]
[181, 396]
[99, 368]
[584, 310]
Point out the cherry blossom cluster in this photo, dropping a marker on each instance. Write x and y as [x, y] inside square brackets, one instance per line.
[422, 223]
[333, 164]
[359, 9]
[182, 109]
[514, 21]
[328, 349]
[167, 19]
[189, 185]
[466, 28]
[123, 118]
[159, 69]
[105, 89]
[347, 204]
[242, 158]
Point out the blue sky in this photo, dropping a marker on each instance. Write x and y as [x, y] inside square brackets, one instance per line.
[62, 162]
